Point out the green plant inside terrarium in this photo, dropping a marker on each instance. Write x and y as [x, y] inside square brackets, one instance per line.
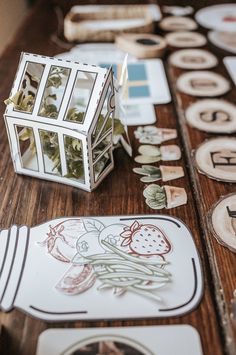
[49, 140]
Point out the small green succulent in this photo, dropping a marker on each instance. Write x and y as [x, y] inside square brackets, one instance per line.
[152, 173]
[155, 196]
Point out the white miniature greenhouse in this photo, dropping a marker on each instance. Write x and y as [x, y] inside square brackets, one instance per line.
[60, 119]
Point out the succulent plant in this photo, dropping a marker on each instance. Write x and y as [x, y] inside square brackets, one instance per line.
[152, 173]
[155, 196]
[149, 154]
[154, 135]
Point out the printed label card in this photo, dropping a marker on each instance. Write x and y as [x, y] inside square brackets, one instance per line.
[100, 268]
[142, 85]
[216, 158]
[152, 340]
[222, 219]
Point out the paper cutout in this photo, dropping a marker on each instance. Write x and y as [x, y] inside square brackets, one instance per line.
[203, 83]
[224, 40]
[158, 197]
[212, 115]
[135, 115]
[142, 46]
[154, 135]
[90, 258]
[178, 10]
[152, 154]
[136, 112]
[222, 219]
[220, 17]
[149, 340]
[193, 59]
[177, 23]
[141, 85]
[51, 118]
[184, 39]
[165, 173]
[216, 158]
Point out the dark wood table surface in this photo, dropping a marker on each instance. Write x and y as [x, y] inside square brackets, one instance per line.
[30, 201]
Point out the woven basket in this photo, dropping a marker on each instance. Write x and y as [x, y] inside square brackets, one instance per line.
[75, 31]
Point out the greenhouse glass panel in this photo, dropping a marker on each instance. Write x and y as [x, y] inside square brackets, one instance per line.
[27, 147]
[103, 114]
[74, 158]
[24, 99]
[80, 97]
[51, 152]
[54, 92]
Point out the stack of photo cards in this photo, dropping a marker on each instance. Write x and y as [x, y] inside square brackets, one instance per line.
[150, 340]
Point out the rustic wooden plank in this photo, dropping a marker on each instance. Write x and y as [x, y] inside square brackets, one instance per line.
[207, 193]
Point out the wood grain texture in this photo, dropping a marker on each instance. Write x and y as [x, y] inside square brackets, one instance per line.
[26, 200]
[207, 192]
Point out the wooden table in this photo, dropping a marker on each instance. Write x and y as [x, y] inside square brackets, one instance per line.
[30, 201]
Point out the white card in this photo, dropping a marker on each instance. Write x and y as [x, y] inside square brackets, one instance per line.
[118, 267]
[135, 115]
[147, 82]
[93, 53]
[230, 63]
[165, 340]
[220, 17]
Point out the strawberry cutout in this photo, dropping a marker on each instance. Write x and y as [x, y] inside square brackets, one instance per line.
[145, 239]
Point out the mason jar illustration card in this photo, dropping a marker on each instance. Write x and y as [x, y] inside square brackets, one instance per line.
[88, 268]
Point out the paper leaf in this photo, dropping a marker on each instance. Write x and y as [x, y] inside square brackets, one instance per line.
[145, 159]
[151, 178]
[152, 190]
[78, 259]
[151, 170]
[140, 171]
[149, 150]
[156, 205]
[93, 225]
[151, 140]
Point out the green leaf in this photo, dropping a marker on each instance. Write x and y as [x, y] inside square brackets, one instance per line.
[156, 205]
[152, 190]
[53, 96]
[21, 102]
[25, 134]
[150, 178]
[151, 170]
[74, 115]
[119, 128]
[76, 144]
[140, 171]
